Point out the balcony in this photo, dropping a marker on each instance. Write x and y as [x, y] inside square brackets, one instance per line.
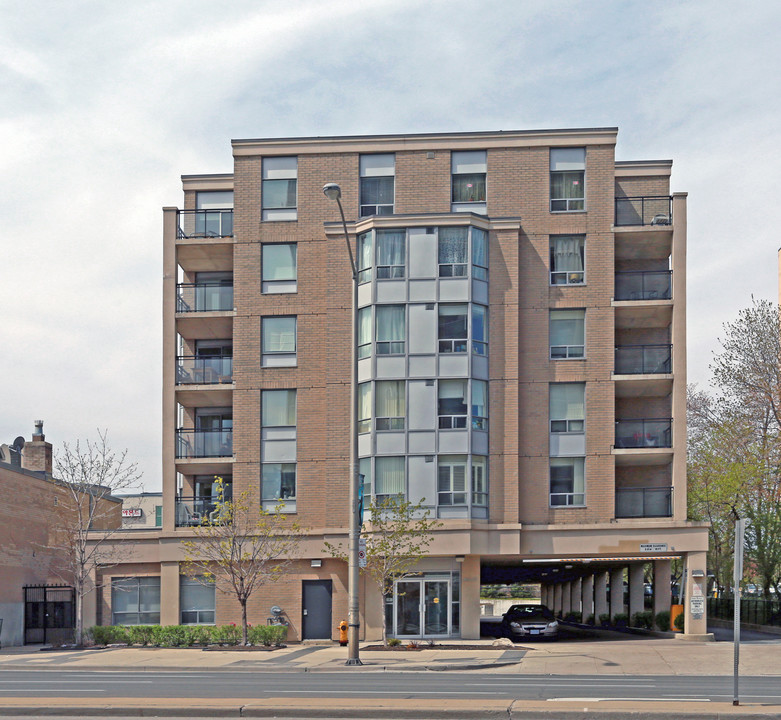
[204, 444]
[644, 502]
[204, 297]
[209, 370]
[643, 359]
[648, 285]
[641, 211]
[193, 510]
[204, 223]
[633, 434]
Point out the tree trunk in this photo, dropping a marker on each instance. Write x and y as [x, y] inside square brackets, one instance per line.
[244, 621]
[78, 633]
[384, 623]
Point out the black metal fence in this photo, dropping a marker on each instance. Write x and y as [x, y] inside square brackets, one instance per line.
[755, 611]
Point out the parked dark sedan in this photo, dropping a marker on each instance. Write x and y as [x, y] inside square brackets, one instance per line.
[522, 622]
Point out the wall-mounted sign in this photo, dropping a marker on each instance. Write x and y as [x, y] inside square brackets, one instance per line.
[653, 547]
[131, 512]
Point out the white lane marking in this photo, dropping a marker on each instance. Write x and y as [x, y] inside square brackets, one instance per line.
[62, 682]
[623, 699]
[63, 690]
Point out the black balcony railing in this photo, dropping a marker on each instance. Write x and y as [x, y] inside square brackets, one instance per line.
[643, 359]
[648, 285]
[656, 433]
[204, 297]
[204, 223]
[204, 443]
[194, 510]
[651, 210]
[644, 502]
[209, 370]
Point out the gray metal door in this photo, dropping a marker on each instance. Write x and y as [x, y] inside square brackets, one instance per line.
[316, 603]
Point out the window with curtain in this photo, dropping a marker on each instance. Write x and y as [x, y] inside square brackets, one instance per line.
[364, 332]
[364, 259]
[391, 329]
[479, 330]
[452, 407]
[567, 481]
[197, 603]
[364, 407]
[279, 188]
[567, 179]
[452, 244]
[479, 405]
[567, 259]
[468, 173]
[451, 480]
[389, 476]
[567, 407]
[391, 254]
[278, 267]
[479, 480]
[567, 334]
[279, 336]
[135, 601]
[390, 398]
[377, 184]
[479, 254]
[452, 328]
[278, 408]
[278, 481]
[365, 469]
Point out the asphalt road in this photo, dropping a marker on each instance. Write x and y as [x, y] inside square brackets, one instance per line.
[358, 684]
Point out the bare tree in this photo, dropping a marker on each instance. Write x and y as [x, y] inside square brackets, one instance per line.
[240, 547]
[88, 475]
[397, 538]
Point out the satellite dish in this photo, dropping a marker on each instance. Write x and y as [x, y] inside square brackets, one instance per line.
[18, 444]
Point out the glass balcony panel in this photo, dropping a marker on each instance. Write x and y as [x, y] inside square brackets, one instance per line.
[650, 285]
[204, 443]
[204, 223]
[644, 502]
[644, 433]
[204, 297]
[210, 370]
[643, 359]
[651, 210]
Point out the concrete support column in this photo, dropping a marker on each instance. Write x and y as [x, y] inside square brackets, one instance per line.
[616, 591]
[600, 594]
[587, 596]
[696, 621]
[556, 599]
[169, 592]
[575, 590]
[566, 598]
[546, 597]
[663, 595]
[636, 588]
[470, 597]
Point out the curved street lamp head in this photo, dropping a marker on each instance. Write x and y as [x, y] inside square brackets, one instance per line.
[332, 191]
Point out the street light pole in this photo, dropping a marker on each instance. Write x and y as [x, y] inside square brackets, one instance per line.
[333, 192]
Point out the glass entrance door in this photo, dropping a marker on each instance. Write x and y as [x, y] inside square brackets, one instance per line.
[422, 608]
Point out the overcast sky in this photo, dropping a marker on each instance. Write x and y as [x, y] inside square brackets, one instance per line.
[105, 104]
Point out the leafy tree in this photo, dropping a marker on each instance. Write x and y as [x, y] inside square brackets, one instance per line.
[397, 538]
[89, 474]
[240, 547]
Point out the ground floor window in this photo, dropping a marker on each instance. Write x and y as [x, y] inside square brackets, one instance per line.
[135, 601]
[196, 601]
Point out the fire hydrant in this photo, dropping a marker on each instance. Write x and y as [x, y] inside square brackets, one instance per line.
[343, 633]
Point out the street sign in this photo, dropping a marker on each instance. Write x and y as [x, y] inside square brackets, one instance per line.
[653, 547]
[361, 552]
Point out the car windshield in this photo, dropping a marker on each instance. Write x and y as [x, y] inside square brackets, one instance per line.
[529, 612]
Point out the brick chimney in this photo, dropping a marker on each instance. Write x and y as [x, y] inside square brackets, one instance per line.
[37, 453]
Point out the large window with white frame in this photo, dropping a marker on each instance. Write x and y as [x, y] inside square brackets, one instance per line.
[451, 480]
[452, 330]
[391, 329]
[364, 407]
[567, 179]
[567, 334]
[279, 267]
[364, 257]
[567, 407]
[278, 408]
[391, 254]
[377, 184]
[479, 480]
[567, 481]
[278, 482]
[567, 259]
[479, 254]
[468, 175]
[279, 190]
[278, 344]
[479, 329]
[197, 603]
[389, 477]
[391, 402]
[453, 251]
[278, 479]
[452, 404]
[135, 601]
[479, 405]
[364, 332]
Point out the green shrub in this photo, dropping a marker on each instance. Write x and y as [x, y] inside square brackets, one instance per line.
[108, 634]
[573, 616]
[621, 619]
[394, 642]
[679, 622]
[141, 634]
[604, 619]
[227, 634]
[590, 619]
[662, 620]
[643, 620]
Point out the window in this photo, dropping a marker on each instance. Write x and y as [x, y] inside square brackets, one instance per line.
[391, 329]
[364, 259]
[567, 481]
[158, 515]
[479, 254]
[468, 177]
[364, 407]
[451, 480]
[479, 480]
[452, 406]
[135, 601]
[214, 216]
[278, 482]
[479, 405]
[365, 469]
[391, 254]
[479, 330]
[389, 476]
[279, 341]
[377, 184]
[452, 328]
[391, 404]
[567, 259]
[567, 179]
[567, 407]
[279, 267]
[278, 408]
[452, 252]
[364, 332]
[279, 190]
[196, 601]
[567, 333]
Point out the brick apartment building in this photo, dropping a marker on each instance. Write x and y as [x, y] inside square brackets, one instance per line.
[522, 370]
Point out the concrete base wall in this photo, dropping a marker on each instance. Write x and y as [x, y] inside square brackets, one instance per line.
[13, 624]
